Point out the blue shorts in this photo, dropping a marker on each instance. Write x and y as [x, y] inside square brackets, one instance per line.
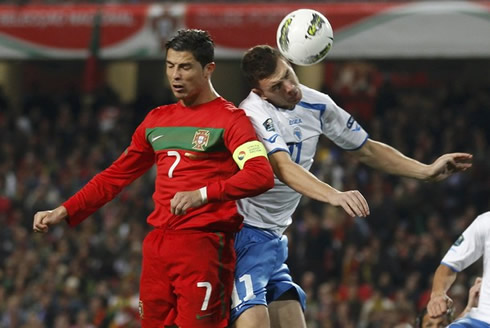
[467, 322]
[261, 275]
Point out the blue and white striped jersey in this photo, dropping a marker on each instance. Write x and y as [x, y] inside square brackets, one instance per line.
[296, 131]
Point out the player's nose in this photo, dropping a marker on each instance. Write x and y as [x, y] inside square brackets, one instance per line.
[175, 74]
[289, 87]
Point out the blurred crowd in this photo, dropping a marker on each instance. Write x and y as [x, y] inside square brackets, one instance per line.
[358, 273]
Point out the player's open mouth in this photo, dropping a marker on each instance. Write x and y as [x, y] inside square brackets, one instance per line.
[295, 96]
[178, 87]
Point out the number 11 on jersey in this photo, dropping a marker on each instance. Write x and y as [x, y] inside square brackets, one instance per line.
[246, 280]
[295, 151]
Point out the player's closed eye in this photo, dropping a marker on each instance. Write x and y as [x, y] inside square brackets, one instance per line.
[276, 87]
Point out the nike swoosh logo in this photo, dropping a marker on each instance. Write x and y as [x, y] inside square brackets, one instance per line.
[156, 138]
[271, 139]
[199, 317]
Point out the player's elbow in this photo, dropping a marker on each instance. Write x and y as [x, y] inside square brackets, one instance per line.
[286, 172]
[261, 176]
[268, 178]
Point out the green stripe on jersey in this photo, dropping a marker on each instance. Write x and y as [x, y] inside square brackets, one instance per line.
[186, 138]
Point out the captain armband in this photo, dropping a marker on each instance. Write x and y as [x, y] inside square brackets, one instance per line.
[247, 151]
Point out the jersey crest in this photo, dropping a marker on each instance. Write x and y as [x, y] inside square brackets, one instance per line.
[297, 133]
[201, 139]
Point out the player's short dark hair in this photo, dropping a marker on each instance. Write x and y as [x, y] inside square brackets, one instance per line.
[259, 63]
[197, 42]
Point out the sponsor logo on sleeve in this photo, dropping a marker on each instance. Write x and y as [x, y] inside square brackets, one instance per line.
[353, 125]
[268, 124]
[459, 241]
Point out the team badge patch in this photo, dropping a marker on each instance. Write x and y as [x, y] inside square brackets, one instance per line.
[201, 138]
[459, 240]
[297, 133]
[140, 309]
[269, 125]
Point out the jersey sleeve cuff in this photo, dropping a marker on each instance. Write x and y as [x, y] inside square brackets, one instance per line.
[451, 267]
[204, 194]
[71, 207]
[213, 193]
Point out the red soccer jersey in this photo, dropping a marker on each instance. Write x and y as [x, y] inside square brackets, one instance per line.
[192, 148]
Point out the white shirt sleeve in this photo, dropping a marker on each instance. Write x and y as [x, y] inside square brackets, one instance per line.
[470, 246]
[336, 124]
[341, 127]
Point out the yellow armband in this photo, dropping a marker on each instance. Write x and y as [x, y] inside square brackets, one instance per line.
[247, 151]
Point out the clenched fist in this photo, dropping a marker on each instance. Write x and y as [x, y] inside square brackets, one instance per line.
[43, 219]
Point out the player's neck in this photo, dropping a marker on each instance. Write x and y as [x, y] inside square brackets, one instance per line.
[207, 95]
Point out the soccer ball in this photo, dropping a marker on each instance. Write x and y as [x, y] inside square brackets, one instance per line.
[304, 37]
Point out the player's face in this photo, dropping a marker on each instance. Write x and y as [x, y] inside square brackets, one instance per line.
[429, 322]
[282, 87]
[187, 78]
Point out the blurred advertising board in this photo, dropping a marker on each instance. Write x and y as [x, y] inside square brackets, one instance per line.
[426, 29]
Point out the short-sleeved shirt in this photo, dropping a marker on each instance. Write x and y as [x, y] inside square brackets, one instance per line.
[467, 249]
[297, 132]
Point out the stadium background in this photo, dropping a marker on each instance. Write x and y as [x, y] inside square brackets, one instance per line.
[414, 74]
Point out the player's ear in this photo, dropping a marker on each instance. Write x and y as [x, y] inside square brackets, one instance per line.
[259, 93]
[209, 69]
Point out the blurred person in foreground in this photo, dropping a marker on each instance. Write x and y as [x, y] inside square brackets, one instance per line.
[207, 156]
[424, 320]
[467, 249]
[289, 119]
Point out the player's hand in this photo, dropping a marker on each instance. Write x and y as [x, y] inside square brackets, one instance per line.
[474, 293]
[43, 219]
[352, 201]
[439, 305]
[449, 164]
[183, 200]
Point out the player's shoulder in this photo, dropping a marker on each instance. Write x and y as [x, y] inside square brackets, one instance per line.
[226, 105]
[314, 96]
[481, 224]
[253, 103]
[484, 218]
[160, 109]
[226, 111]
[157, 112]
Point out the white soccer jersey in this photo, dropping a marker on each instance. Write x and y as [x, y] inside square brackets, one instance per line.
[296, 131]
[470, 246]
